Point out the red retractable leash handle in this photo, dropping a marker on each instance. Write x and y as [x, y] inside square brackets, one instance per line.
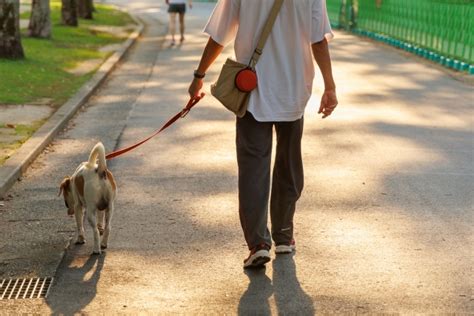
[192, 102]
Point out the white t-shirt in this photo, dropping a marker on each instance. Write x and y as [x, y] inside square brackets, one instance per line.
[285, 70]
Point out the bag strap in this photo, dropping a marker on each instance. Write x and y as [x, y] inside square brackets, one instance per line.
[266, 32]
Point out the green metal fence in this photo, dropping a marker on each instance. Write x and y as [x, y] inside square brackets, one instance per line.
[441, 30]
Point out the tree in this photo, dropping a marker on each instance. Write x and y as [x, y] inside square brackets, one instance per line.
[85, 9]
[40, 19]
[69, 12]
[10, 40]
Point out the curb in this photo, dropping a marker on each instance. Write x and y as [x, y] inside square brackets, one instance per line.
[17, 164]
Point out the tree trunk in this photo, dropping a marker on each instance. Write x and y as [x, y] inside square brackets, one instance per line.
[69, 12]
[85, 9]
[10, 41]
[40, 19]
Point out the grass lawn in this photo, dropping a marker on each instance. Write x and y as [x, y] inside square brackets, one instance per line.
[23, 132]
[42, 74]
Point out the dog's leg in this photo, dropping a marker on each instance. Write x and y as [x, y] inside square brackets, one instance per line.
[108, 219]
[79, 214]
[100, 225]
[92, 218]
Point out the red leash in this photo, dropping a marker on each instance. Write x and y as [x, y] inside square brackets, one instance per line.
[192, 102]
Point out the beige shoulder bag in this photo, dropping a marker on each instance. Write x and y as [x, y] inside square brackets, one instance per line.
[237, 80]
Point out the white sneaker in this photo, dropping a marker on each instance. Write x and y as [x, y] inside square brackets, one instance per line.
[257, 257]
[280, 249]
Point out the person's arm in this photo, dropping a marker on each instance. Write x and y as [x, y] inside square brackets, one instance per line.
[190, 3]
[323, 59]
[211, 52]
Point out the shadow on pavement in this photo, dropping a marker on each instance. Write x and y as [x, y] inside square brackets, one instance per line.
[78, 278]
[255, 298]
[290, 298]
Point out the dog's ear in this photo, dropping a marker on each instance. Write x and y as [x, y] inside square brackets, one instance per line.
[64, 185]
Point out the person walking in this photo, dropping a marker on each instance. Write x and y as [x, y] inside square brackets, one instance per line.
[285, 74]
[177, 7]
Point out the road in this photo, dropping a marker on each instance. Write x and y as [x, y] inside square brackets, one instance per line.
[384, 223]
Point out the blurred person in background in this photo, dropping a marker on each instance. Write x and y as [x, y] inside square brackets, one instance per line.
[177, 7]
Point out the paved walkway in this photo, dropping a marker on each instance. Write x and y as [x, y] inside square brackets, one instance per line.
[384, 224]
[35, 227]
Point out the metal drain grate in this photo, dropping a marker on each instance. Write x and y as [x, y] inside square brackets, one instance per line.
[13, 289]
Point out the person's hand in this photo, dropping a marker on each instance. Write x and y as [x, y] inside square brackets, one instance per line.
[328, 102]
[195, 87]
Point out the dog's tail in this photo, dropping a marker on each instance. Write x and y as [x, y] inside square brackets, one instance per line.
[98, 153]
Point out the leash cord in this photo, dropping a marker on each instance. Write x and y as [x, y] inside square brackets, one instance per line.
[192, 102]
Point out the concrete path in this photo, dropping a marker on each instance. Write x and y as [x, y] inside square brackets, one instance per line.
[35, 228]
[384, 224]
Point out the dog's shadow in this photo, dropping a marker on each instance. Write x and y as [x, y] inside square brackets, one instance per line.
[76, 281]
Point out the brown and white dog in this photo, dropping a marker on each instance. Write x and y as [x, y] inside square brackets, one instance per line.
[91, 188]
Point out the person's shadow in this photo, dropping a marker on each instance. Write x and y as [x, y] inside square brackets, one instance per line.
[255, 299]
[76, 286]
[289, 297]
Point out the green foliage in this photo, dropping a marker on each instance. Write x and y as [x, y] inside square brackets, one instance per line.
[107, 15]
[104, 15]
[43, 73]
[25, 131]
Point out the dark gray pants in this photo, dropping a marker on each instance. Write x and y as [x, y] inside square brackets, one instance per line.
[254, 147]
